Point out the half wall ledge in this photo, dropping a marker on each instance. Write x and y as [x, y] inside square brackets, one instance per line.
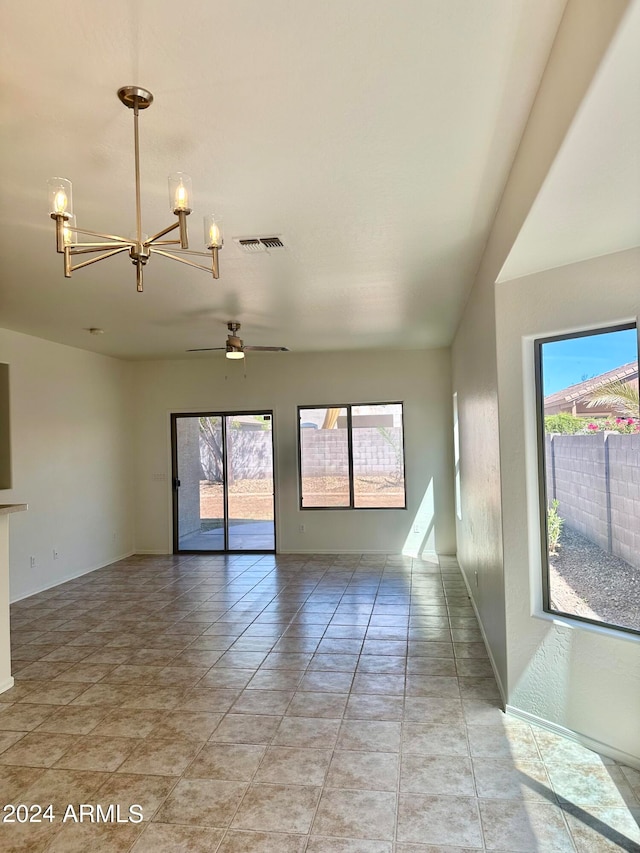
[6, 680]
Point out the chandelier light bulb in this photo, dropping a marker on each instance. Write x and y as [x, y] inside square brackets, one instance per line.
[181, 198]
[180, 193]
[60, 197]
[212, 232]
[61, 201]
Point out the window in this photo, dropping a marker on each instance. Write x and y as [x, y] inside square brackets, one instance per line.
[352, 457]
[589, 464]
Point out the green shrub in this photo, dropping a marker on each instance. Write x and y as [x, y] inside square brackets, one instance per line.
[565, 423]
[554, 527]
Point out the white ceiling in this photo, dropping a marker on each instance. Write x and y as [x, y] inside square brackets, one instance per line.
[589, 204]
[375, 136]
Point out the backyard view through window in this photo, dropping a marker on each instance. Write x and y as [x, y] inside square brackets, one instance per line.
[590, 443]
[352, 457]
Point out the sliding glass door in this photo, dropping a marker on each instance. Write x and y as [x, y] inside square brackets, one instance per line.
[223, 486]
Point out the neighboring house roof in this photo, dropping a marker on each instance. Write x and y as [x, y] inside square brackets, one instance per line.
[578, 395]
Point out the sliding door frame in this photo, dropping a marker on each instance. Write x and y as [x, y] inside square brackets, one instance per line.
[225, 485]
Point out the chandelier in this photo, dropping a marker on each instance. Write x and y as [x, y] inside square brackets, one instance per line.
[142, 247]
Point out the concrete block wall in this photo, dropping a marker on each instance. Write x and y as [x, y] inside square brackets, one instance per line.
[187, 435]
[624, 485]
[596, 480]
[249, 454]
[324, 451]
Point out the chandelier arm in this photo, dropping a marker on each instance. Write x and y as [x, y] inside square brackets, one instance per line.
[86, 231]
[190, 252]
[98, 258]
[182, 260]
[83, 248]
[164, 231]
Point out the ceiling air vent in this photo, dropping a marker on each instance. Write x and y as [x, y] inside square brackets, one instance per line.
[255, 245]
[250, 244]
[272, 242]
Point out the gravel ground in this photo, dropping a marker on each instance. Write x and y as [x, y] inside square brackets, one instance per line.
[586, 581]
[252, 498]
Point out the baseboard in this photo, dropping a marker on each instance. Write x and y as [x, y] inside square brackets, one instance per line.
[7, 684]
[71, 577]
[431, 556]
[155, 552]
[336, 551]
[426, 556]
[496, 674]
[583, 740]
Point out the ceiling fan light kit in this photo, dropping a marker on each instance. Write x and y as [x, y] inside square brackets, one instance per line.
[142, 247]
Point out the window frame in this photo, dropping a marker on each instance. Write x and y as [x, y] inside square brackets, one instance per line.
[351, 507]
[538, 344]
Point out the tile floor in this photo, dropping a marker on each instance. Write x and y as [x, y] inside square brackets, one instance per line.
[280, 704]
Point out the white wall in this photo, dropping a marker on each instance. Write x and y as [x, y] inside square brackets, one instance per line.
[584, 34]
[70, 455]
[421, 379]
[578, 677]
[479, 531]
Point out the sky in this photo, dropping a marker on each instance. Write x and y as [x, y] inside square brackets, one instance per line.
[570, 361]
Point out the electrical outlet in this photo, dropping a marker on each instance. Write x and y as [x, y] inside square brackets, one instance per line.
[416, 528]
[32, 560]
[55, 554]
[302, 528]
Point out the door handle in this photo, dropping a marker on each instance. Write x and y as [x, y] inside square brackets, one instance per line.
[176, 483]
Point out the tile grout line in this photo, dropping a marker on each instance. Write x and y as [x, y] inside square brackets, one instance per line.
[342, 718]
[228, 829]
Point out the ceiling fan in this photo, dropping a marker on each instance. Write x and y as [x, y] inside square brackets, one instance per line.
[235, 347]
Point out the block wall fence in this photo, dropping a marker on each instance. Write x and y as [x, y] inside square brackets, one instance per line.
[324, 451]
[596, 480]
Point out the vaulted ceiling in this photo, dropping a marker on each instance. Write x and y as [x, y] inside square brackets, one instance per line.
[374, 136]
[589, 204]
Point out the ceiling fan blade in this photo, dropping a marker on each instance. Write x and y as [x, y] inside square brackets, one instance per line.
[268, 349]
[205, 349]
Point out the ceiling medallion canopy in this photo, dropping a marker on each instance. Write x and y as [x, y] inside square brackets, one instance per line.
[142, 247]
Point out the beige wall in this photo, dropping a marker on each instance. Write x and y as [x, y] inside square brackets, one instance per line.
[579, 677]
[479, 530]
[6, 679]
[583, 36]
[5, 436]
[421, 379]
[70, 459]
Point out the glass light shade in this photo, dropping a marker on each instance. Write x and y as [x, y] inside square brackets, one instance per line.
[234, 354]
[69, 232]
[212, 232]
[60, 198]
[180, 193]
